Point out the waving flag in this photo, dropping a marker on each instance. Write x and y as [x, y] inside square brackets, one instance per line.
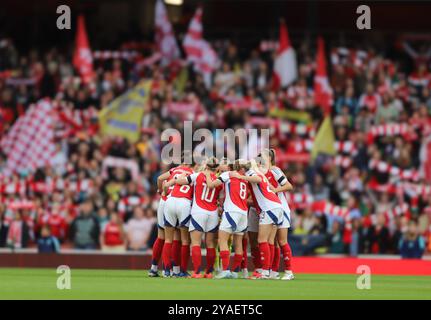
[165, 39]
[325, 140]
[123, 116]
[199, 52]
[285, 68]
[322, 89]
[30, 142]
[82, 58]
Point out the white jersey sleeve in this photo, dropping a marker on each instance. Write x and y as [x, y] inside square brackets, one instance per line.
[192, 178]
[279, 176]
[224, 177]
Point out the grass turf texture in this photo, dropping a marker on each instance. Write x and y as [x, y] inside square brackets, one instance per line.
[133, 284]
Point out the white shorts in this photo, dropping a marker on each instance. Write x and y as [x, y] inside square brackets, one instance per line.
[286, 221]
[253, 220]
[274, 216]
[204, 221]
[177, 212]
[160, 214]
[234, 222]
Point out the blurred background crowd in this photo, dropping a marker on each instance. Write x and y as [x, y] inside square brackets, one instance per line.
[375, 88]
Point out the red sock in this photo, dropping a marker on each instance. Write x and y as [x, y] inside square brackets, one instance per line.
[176, 252]
[271, 254]
[244, 261]
[157, 251]
[237, 258]
[287, 256]
[211, 256]
[276, 259]
[255, 254]
[185, 255]
[196, 258]
[265, 255]
[225, 256]
[166, 255]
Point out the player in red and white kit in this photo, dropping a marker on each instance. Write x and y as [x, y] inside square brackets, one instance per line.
[204, 216]
[177, 216]
[234, 218]
[253, 230]
[159, 243]
[279, 185]
[271, 214]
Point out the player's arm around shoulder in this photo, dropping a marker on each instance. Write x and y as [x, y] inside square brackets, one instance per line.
[213, 183]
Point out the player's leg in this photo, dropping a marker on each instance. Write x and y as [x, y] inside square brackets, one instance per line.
[160, 241]
[237, 258]
[244, 262]
[185, 251]
[255, 252]
[273, 274]
[282, 236]
[275, 268]
[185, 217]
[196, 230]
[223, 243]
[211, 229]
[266, 224]
[196, 237]
[176, 252]
[170, 221]
[167, 250]
[157, 252]
[253, 228]
[211, 253]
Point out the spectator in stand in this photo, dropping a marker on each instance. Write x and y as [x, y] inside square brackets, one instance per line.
[378, 236]
[412, 245]
[139, 230]
[337, 244]
[47, 243]
[112, 237]
[3, 226]
[84, 231]
[19, 232]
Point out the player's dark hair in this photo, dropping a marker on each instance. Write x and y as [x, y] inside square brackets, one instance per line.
[212, 163]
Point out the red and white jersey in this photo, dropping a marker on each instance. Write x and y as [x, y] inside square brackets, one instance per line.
[277, 178]
[204, 198]
[265, 198]
[184, 191]
[236, 194]
[370, 101]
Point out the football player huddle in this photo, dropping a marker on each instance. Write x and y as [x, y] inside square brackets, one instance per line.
[225, 204]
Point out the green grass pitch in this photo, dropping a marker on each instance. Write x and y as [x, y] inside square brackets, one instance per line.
[133, 284]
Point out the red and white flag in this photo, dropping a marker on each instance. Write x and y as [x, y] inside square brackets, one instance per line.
[82, 57]
[285, 68]
[30, 142]
[198, 50]
[165, 38]
[322, 90]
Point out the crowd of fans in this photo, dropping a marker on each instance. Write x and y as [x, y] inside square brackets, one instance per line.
[116, 212]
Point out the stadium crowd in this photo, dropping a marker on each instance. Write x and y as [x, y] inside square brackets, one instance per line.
[112, 209]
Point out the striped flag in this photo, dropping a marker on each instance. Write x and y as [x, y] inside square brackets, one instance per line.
[285, 68]
[198, 50]
[165, 39]
[322, 89]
